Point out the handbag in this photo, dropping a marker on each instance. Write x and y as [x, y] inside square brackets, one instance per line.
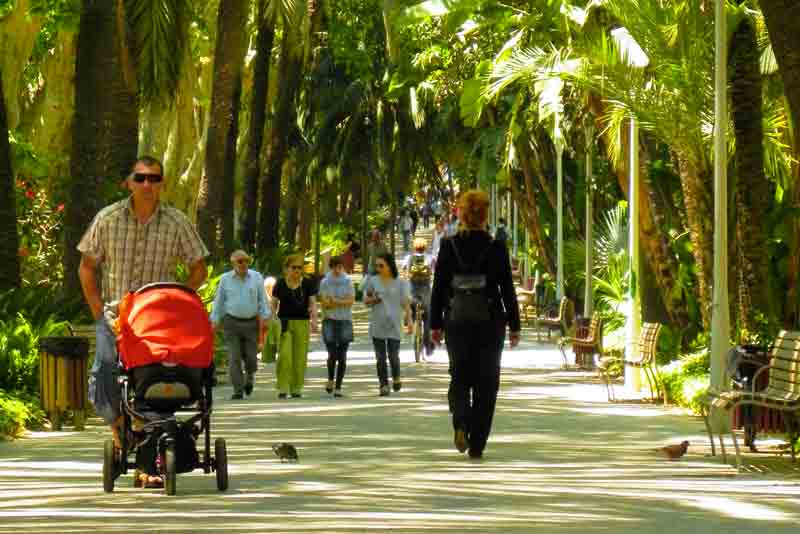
[470, 302]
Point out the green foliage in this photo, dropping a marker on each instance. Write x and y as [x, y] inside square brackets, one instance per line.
[18, 412]
[19, 351]
[40, 219]
[40, 304]
[686, 380]
[762, 333]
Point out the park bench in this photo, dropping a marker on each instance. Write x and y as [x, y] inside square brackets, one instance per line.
[782, 392]
[591, 344]
[527, 304]
[558, 320]
[646, 360]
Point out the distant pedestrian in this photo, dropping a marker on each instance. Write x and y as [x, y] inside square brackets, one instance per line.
[438, 235]
[240, 309]
[501, 234]
[406, 228]
[297, 310]
[336, 296]
[375, 248]
[389, 299]
[473, 299]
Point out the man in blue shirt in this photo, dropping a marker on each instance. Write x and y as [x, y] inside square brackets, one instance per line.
[240, 307]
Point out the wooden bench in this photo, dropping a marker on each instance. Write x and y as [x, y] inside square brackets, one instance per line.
[555, 321]
[592, 343]
[527, 304]
[646, 360]
[782, 392]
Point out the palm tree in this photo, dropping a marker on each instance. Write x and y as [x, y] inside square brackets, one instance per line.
[215, 198]
[782, 18]
[105, 125]
[752, 188]
[265, 37]
[126, 50]
[290, 70]
[9, 239]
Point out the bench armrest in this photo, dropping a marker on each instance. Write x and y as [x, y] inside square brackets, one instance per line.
[757, 374]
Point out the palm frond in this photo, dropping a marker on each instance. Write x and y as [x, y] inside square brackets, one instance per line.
[160, 30]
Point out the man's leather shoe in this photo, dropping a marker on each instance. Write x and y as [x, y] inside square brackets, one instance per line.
[248, 389]
[237, 396]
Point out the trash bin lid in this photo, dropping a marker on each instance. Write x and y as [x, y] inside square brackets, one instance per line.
[69, 347]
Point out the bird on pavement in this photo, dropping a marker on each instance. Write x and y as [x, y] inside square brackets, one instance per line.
[673, 452]
[285, 451]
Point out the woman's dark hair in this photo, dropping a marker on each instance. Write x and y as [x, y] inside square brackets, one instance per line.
[335, 261]
[389, 259]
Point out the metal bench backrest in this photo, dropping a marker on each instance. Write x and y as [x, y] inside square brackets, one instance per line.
[648, 342]
[784, 372]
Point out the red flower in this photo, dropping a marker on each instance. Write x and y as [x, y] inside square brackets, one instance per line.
[30, 194]
[24, 252]
[60, 207]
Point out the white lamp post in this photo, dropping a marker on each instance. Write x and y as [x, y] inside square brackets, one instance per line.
[588, 307]
[559, 141]
[720, 320]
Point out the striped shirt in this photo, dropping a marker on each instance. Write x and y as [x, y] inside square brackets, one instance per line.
[133, 254]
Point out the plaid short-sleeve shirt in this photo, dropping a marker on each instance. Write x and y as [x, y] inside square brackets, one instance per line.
[133, 254]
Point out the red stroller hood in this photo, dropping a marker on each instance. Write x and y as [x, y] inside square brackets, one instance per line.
[165, 325]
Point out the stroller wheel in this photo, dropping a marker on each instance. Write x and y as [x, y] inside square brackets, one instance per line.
[170, 473]
[221, 463]
[109, 466]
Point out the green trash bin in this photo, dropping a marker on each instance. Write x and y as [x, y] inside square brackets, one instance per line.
[63, 378]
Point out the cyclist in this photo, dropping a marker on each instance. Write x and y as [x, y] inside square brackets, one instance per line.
[419, 268]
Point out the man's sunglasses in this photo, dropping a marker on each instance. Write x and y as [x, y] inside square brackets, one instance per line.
[152, 178]
[295, 267]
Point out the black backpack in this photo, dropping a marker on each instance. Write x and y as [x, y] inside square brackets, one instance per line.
[470, 301]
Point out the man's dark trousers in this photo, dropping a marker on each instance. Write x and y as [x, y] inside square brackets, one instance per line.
[241, 340]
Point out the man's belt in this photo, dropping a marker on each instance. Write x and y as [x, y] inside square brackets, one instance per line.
[243, 319]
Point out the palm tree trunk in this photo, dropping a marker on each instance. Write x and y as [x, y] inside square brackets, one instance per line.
[9, 239]
[697, 197]
[105, 126]
[752, 188]
[255, 137]
[228, 57]
[289, 74]
[530, 212]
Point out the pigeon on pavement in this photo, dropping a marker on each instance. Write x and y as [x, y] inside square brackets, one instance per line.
[285, 451]
[673, 452]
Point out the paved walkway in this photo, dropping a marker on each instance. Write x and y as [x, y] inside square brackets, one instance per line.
[560, 459]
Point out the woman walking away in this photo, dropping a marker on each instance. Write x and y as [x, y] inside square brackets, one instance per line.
[336, 296]
[390, 300]
[473, 299]
[297, 310]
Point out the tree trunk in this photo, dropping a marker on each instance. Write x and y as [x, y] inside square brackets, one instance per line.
[105, 125]
[289, 76]
[655, 243]
[752, 188]
[18, 34]
[255, 138]
[697, 197]
[9, 239]
[782, 18]
[228, 57]
[228, 193]
[530, 211]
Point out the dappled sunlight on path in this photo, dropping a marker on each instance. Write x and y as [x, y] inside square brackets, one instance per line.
[560, 459]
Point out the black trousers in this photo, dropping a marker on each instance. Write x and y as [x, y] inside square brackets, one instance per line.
[337, 361]
[474, 351]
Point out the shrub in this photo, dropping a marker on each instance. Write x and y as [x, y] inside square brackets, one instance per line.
[18, 413]
[19, 352]
[686, 380]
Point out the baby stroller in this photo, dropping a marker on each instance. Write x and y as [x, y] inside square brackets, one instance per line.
[166, 346]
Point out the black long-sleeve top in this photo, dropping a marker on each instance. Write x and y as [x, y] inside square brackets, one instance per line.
[495, 264]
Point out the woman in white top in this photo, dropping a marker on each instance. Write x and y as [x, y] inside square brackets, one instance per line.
[390, 301]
